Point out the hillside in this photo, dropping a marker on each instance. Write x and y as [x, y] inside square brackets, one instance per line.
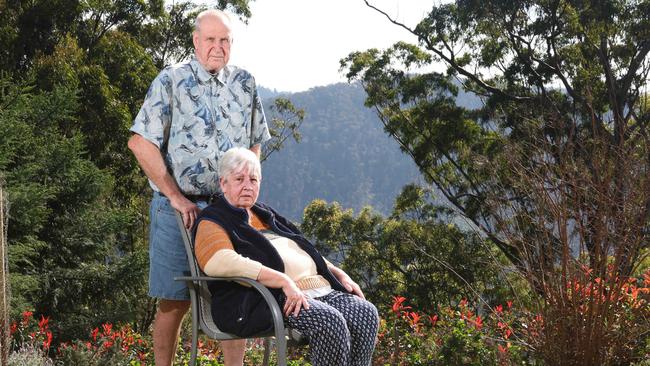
[344, 156]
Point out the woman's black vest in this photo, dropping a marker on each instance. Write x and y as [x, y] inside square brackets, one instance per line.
[239, 309]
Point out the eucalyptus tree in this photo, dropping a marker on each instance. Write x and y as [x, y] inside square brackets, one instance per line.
[553, 168]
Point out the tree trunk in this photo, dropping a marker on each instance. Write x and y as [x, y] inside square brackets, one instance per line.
[5, 337]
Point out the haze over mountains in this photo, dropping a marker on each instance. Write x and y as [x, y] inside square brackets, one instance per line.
[344, 155]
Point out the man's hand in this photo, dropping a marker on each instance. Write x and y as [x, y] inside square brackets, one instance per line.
[188, 209]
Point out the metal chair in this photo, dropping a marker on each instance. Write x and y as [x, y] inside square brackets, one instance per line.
[201, 301]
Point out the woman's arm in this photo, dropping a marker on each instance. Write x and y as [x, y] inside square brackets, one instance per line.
[296, 299]
[217, 257]
[345, 280]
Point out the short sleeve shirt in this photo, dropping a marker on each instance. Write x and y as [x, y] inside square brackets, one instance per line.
[194, 117]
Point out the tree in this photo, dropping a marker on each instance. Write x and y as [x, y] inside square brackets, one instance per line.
[412, 253]
[72, 78]
[285, 123]
[554, 168]
[161, 36]
[64, 235]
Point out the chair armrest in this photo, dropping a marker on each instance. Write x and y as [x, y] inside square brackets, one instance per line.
[210, 278]
[266, 294]
[278, 322]
[256, 284]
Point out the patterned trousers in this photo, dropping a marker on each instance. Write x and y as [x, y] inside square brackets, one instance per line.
[341, 329]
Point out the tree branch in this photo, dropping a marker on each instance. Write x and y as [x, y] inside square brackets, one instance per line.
[450, 59]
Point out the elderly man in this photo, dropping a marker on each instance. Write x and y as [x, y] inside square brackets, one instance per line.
[193, 113]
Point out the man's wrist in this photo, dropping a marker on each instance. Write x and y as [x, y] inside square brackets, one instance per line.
[174, 195]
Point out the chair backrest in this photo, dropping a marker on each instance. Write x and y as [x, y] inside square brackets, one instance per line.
[204, 298]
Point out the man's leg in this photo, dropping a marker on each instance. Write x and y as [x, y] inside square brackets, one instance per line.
[233, 352]
[167, 259]
[166, 327]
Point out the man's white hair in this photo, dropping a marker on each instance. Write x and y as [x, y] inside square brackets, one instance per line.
[212, 13]
[236, 159]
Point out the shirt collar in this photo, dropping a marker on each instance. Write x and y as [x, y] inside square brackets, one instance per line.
[204, 76]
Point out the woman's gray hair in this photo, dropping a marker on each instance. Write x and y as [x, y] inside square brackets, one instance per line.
[236, 159]
[225, 18]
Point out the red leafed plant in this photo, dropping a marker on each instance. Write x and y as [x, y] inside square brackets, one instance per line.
[27, 332]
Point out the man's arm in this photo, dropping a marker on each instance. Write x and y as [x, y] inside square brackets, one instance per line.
[153, 165]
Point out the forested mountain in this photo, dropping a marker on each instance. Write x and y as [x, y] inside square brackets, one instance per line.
[344, 155]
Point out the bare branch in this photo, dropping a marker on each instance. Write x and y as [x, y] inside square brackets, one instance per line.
[450, 59]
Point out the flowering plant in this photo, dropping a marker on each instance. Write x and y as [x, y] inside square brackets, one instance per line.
[107, 346]
[28, 332]
[451, 335]
[599, 318]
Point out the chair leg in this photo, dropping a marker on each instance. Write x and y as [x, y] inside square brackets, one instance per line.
[281, 349]
[195, 340]
[267, 351]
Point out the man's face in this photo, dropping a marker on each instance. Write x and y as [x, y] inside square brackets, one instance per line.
[212, 44]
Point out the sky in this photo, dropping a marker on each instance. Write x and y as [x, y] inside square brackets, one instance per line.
[294, 45]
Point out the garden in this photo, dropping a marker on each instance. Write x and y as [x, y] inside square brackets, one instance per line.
[466, 334]
[524, 241]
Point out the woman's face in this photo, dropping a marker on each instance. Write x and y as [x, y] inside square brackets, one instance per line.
[241, 188]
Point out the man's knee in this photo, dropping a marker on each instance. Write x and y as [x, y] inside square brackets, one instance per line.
[173, 307]
[234, 345]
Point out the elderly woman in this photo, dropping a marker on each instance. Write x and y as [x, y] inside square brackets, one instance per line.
[236, 236]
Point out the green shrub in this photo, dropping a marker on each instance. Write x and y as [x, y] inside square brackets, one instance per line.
[454, 336]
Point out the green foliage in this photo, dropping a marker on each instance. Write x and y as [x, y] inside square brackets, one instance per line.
[107, 346]
[463, 346]
[553, 167]
[33, 28]
[413, 252]
[64, 234]
[458, 334]
[568, 93]
[285, 123]
[166, 36]
[454, 335]
[30, 340]
[116, 345]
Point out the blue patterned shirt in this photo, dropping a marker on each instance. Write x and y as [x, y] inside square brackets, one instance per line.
[194, 117]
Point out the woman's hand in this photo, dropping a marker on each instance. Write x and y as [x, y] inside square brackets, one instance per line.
[346, 281]
[296, 299]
